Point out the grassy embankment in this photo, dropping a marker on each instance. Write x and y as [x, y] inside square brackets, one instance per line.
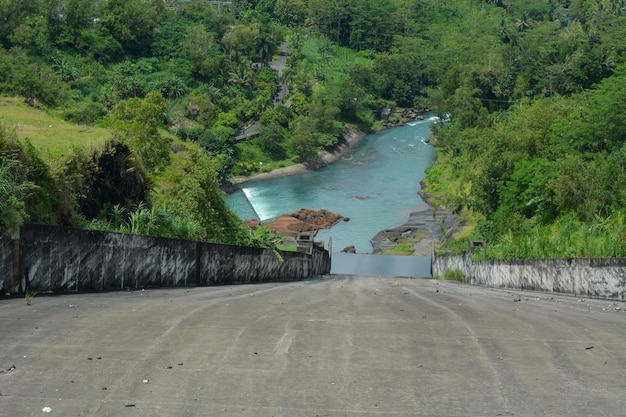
[53, 137]
[56, 140]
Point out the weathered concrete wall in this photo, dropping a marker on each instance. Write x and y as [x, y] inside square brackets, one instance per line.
[57, 259]
[9, 265]
[601, 278]
[224, 264]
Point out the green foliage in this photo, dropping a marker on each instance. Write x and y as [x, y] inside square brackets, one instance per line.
[281, 115]
[132, 23]
[299, 103]
[567, 237]
[219, 140]
[202, 108]
[453, 275]
[139, 121]
[99, 45]
[545, 173]
[316, 130]
[15, 14]
[50, 201]
[228, 120]
[12, 193]
[27, 190]
[532, 96]
[140, 219]
[262, 237]
[271, 141]
[304, 142]
[365, 24]
[193, 193]
[201, 48]
[399, 78]
[23, 75]
[291, 13]
[88, 114]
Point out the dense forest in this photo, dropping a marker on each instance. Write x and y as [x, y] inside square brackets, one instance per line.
[531, 97]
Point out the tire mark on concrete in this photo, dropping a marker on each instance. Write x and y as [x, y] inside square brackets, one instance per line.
[221, 296]
[474, 338]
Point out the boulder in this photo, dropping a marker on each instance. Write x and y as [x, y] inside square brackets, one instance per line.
[349, 249]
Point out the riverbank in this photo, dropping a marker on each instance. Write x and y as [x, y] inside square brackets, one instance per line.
[350, 138]
[418, 224]
[425, 228]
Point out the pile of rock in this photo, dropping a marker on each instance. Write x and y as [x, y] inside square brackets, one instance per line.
[305, 220]
[402, 116]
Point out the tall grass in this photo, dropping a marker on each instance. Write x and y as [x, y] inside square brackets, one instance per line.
[140, 219]
[452, 275]
[568, 237]
[329, 61]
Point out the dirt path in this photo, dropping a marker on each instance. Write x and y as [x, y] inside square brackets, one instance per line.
[279, 65]
[283, 89]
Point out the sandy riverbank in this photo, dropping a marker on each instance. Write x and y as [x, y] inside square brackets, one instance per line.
[350, 138]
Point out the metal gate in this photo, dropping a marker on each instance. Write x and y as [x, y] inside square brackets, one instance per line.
[380, 265]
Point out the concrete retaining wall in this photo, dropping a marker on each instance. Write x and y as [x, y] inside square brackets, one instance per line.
[9, 265]
[58, 259]
[590, 277]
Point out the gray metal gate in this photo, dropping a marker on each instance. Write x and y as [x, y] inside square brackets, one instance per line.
[380, 265]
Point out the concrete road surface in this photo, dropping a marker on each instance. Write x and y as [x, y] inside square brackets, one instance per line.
[331, 347]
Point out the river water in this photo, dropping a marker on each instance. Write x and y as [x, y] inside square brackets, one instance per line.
[375, 184]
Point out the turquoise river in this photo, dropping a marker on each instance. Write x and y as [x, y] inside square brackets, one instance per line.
[375, 185]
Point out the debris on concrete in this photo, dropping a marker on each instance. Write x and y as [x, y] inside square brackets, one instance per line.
[9, 369]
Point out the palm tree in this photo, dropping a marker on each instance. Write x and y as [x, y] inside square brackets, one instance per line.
[240, 75]
[65, 69]
[524, 23]
[265, 46]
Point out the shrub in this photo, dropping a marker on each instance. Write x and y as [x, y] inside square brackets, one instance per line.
[12, 207]
[88, 114]
[452, 275]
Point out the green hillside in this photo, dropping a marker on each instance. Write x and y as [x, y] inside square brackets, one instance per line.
[530, 95]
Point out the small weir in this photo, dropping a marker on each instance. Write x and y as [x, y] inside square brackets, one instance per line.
[251, 211]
